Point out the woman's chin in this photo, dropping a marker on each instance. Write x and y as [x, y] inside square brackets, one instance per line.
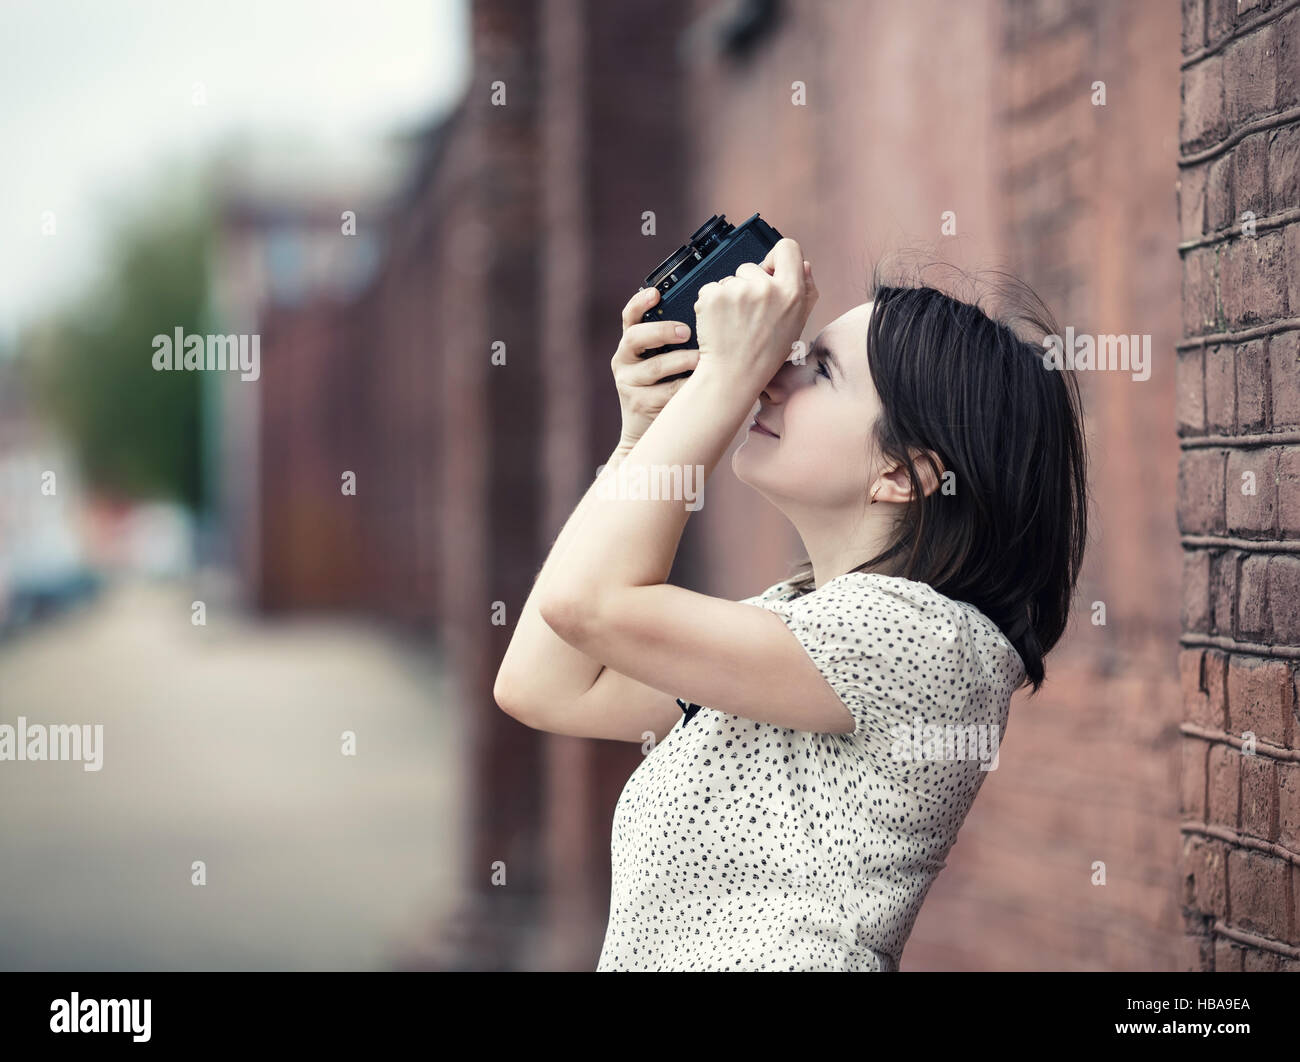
[747, 464]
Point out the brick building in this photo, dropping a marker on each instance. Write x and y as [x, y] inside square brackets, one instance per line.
[1051, 131]
[1238, 502]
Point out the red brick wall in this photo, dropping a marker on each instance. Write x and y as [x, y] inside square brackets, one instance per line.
[523, 225]
[1238, 420]
[1089, 772]
[314, 427]
[985, 109]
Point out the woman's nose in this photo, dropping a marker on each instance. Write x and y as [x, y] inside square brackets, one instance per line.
[779, 384]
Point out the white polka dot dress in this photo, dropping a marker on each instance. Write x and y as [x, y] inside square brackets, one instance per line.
[738, 845]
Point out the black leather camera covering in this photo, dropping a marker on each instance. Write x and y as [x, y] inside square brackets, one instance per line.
[716, 250]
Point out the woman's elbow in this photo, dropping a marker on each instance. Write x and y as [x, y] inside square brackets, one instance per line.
[569, 616]
[511, 697]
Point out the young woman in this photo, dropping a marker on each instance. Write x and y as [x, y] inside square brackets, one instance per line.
[817, 746]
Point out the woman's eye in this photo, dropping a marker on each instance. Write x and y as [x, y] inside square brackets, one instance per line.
[821, 368]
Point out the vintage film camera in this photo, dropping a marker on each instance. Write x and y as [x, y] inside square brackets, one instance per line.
[716, 250]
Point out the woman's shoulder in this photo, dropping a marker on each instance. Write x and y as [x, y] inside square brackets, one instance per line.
[848, 587]
[856, 597]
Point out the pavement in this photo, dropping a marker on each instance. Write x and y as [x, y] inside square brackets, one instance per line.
[222, 744]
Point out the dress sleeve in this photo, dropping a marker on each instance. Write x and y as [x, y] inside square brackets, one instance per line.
[893, 650]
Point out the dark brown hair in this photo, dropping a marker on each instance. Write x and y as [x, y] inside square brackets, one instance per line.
[1006, 530]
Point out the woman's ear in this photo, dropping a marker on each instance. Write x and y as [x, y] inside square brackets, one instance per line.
[929, 469]
[894, 485]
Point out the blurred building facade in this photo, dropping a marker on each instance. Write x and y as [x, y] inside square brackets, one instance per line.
[466, 386]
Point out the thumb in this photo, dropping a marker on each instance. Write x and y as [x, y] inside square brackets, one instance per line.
[811, 294]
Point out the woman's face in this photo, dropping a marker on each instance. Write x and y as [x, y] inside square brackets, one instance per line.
[822, 413]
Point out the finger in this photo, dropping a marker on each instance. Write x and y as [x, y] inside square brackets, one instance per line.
[769, 263]
[810, 292]
[706, 290]
[651, 371]
[647, 335]
[753, 269]
[638, 304]
[788, 261]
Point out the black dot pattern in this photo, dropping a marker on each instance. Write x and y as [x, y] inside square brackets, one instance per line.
[738, 845]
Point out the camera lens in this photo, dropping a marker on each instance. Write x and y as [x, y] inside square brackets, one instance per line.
[718, 221]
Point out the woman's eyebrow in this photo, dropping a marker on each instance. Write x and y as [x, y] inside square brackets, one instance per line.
[820, 348]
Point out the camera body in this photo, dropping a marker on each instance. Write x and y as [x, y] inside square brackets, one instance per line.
[716, 250]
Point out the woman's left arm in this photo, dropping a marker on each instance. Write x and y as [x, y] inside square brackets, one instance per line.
[608, 596]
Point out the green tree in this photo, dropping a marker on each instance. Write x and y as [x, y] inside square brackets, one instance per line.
[134, 430]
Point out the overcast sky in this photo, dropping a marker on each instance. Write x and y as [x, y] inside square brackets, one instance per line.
[96, 98]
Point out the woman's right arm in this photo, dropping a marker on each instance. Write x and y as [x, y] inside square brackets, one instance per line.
[543, 681]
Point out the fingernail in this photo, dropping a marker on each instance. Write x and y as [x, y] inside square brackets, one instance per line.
[682, 331]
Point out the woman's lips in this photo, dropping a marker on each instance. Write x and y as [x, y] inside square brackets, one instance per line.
[756, 426]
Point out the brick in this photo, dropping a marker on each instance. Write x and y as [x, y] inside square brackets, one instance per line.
[1257, 893]
[1193, 26]
[1284, 376]
[1291, 252]
[1295, 894]
[1215, 676]
[1197, 954]
[1223, 796]
[1191, 202]
[1202, 120]
[1251, 397]
[1252, 279]
[1192, 779]
[1250, 177]
[1251, 489]
[1260, 696]
[1201, 312]
[1020, 79]
[1288, 493]
[1205, 883]
[1065, 59]
[1200, 492]
[1287, 31]
[1284, 167]
[1228, 957]
[1250, 75]
[1223, 593]
[1189, 389]
[1252, 595]
[1191, 677]
[1218, 195]
[1259, 797]
[1220, 390]
[1260, 961]
[1284, 595]
[1288, 805]
[1219, 18]
[1196, 595]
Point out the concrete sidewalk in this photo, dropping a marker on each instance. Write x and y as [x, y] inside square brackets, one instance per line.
[222, 743]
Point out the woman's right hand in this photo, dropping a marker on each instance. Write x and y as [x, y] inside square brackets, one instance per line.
[640, 392]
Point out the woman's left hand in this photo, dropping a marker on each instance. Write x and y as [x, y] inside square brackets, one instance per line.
[747, 324]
